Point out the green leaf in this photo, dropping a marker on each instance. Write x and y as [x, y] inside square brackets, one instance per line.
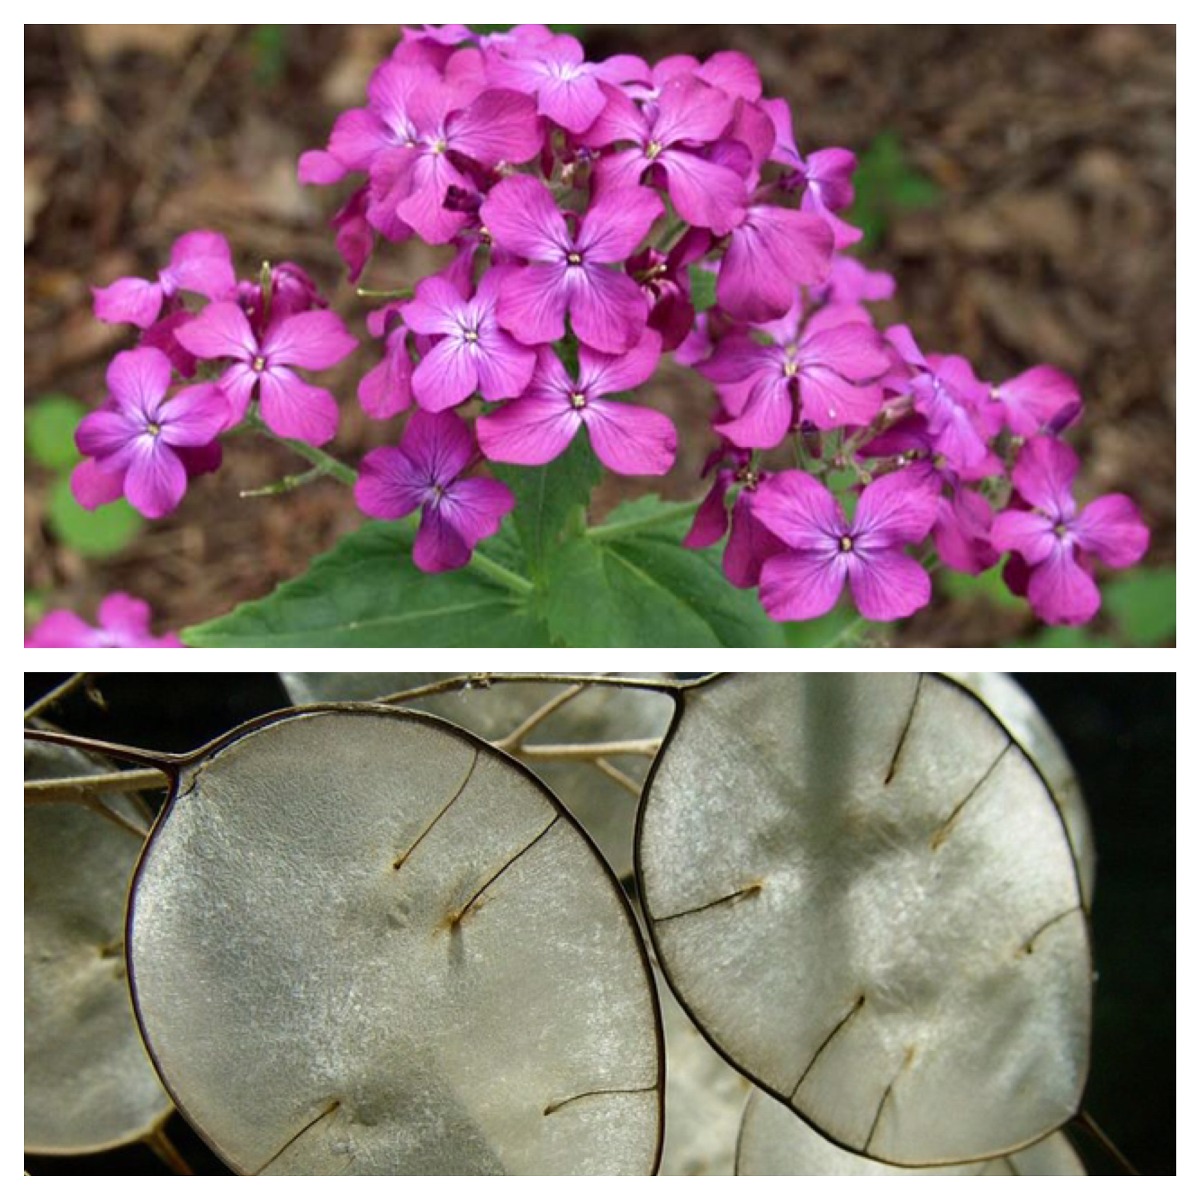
[549, 498]
[704, 289]
[50, 424]
[1143, 604]
[97, 534]
[367, 592]
[634, 584]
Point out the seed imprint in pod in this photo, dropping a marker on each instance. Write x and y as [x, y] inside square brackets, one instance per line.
[364, 942]
[862, 890]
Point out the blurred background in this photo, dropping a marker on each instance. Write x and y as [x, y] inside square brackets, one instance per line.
[1119, 732]
[1019, 180]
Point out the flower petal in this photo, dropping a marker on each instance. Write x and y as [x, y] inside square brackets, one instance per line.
[292, 408]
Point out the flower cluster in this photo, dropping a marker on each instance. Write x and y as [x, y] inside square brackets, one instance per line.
[599, 216]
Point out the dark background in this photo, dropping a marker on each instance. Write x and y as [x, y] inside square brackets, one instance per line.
[1119, 731]
[1048, 236]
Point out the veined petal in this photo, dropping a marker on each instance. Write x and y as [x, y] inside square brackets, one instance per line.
[801, 511]
[887, 585]
[629, 439]
[139, 379]
[195, 416]
[1112, 530]
[155, 481]
[446, 376]
[523, 219]
[608, 309]
[389, 486]
[292, 408]
[221, 330]
[801, 587]
[1061, 591]
[529, 432]
[128, 302]
[315, 341]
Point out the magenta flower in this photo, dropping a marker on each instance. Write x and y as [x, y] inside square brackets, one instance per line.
[201, 262]
[567, 88]
[570, 272]
[773, 251]
[688, 116]
[472, 353]
[826, 375]
[291, 408]
[540, 426]
[426, 472]
[138, 436]
[124, 622]
[826, 550]
[1053, 535]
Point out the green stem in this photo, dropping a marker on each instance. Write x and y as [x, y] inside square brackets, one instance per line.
[667, 515]
[328, 465]
[493, 571]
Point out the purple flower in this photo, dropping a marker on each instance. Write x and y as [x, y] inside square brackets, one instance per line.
[688, 116]
[201, 262]
[567, 88]
[472, 353]
[426, 472]
[140, 434]
[570, 272]
[826, 376]
[291, 408]
[826, 549]
[773, 251]
[540, 426]
[124, 622]
[1053, 534]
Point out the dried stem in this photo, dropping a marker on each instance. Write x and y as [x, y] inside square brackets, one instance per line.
[516, 740]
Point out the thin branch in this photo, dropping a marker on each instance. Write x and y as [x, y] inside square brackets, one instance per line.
[516, 740]
[79, 788]
[61, 692]
[619, 777]
[590, 751]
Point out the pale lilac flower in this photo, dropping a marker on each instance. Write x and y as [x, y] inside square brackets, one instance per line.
[570, 272]
[667, 141]
[291, 408]
[472, 353]
[124, 623]
[201, 262]
[1052, 536]
[824, 372]
[542, 424]
[566, 86]
[427, 473]
[826, 550]
[139, 435]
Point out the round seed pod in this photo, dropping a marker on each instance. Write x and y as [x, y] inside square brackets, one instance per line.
[862, 890]
[89, 1085]
[364, 942]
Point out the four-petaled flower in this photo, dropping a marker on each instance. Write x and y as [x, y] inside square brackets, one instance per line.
[427, 472]
[826, 550]
[138, 436]
[1051, 536]
[291, 408]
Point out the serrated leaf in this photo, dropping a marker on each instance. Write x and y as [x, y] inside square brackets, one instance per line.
[636, 585]
[50, 424]
[549, 497]
[107, 530]
[367, 592]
